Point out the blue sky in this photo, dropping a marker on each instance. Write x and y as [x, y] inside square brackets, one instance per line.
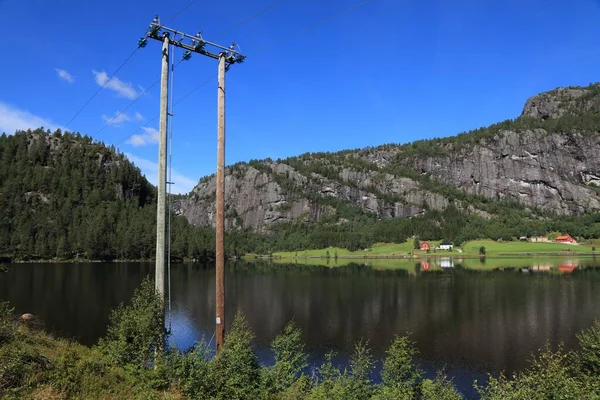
[389, 71]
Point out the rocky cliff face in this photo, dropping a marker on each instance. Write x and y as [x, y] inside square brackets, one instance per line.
[536, 161]
[549, 171]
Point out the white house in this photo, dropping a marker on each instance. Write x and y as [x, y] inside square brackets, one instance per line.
[446, 246]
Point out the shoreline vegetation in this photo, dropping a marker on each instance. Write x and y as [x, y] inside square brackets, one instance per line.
[35, 365]
[398, 251]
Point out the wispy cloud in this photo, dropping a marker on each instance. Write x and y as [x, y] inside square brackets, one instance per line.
[150, 136]
[13, 119]
[182, 184]
[64, 75]
[119, 118]
[123, 89]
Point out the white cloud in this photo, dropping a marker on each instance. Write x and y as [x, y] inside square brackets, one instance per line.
[150, 136]
[119, 118]
[182, 184]
[64, 75]
[13, 119]
[123, 89]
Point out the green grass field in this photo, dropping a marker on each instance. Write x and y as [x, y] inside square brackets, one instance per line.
[378, 249]
[468, 249]
[499, 248]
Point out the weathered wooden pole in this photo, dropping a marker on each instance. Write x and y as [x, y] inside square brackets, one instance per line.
[220, 256]
[162, 171]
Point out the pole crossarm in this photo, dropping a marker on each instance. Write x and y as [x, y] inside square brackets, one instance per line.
[197, 43]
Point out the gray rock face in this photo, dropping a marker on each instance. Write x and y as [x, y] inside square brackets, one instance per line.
[549, 171]
[559, 102]
[557, 172]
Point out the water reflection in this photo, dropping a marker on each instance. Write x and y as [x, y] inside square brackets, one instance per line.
[457, 314]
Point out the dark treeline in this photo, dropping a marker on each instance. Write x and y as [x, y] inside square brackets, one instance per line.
[62, 195]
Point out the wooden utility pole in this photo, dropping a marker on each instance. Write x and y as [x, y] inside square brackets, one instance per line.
[226, 56]
[220, 261]
[162, 171]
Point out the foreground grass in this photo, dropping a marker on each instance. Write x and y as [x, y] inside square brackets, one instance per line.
[34, 365]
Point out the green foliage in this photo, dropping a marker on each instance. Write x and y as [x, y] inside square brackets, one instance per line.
[191, 371]
[439, 389]
[588, 355]
[551, 375]
[482, 251]
[417, 244]
[290, 359]
[135, 331]
[361, 365]
[236, 371]
[6, 324]
[399, 368]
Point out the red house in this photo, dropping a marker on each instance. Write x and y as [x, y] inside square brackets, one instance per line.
[425, 246]
[565, 239]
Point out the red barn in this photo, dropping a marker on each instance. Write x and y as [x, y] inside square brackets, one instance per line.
[425, 246]
[565, 239]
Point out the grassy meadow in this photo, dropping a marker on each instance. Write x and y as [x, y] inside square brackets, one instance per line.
[399, 250]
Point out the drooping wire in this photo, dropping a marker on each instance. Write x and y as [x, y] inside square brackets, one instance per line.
[117, 115]
[119, 68]
[172, 17]
[100, 88]
[266, 48]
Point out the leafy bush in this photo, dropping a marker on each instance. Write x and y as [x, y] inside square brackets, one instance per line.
[290, 360]
[137, 330]
[551, 375]
[235, 369]
[589, 352]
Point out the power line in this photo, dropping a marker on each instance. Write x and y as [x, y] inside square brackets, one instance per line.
[117, 115]
[264, 49]
[180, 11]
[101, 87]
[118, 69]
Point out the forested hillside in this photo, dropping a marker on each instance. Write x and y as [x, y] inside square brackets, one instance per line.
[537, 173]
[64, 195]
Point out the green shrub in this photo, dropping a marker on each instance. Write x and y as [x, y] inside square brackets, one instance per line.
[482, 251]
[135, 331]
[588, 355]
[361, 364]
[399, 368]
[439, 389]
[551, 375]
[290, 359]
[192, 371]
[236, 371]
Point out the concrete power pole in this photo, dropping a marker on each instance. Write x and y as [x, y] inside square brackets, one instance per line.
[162, 171]
[226, 56]
[220, 253]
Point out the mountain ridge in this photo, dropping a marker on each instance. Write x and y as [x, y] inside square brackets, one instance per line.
[544, 161]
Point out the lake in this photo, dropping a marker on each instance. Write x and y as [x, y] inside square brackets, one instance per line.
[469, 316]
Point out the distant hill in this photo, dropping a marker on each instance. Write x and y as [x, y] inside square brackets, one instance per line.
[544, 163]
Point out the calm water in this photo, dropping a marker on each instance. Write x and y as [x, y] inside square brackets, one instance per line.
[471, 321]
